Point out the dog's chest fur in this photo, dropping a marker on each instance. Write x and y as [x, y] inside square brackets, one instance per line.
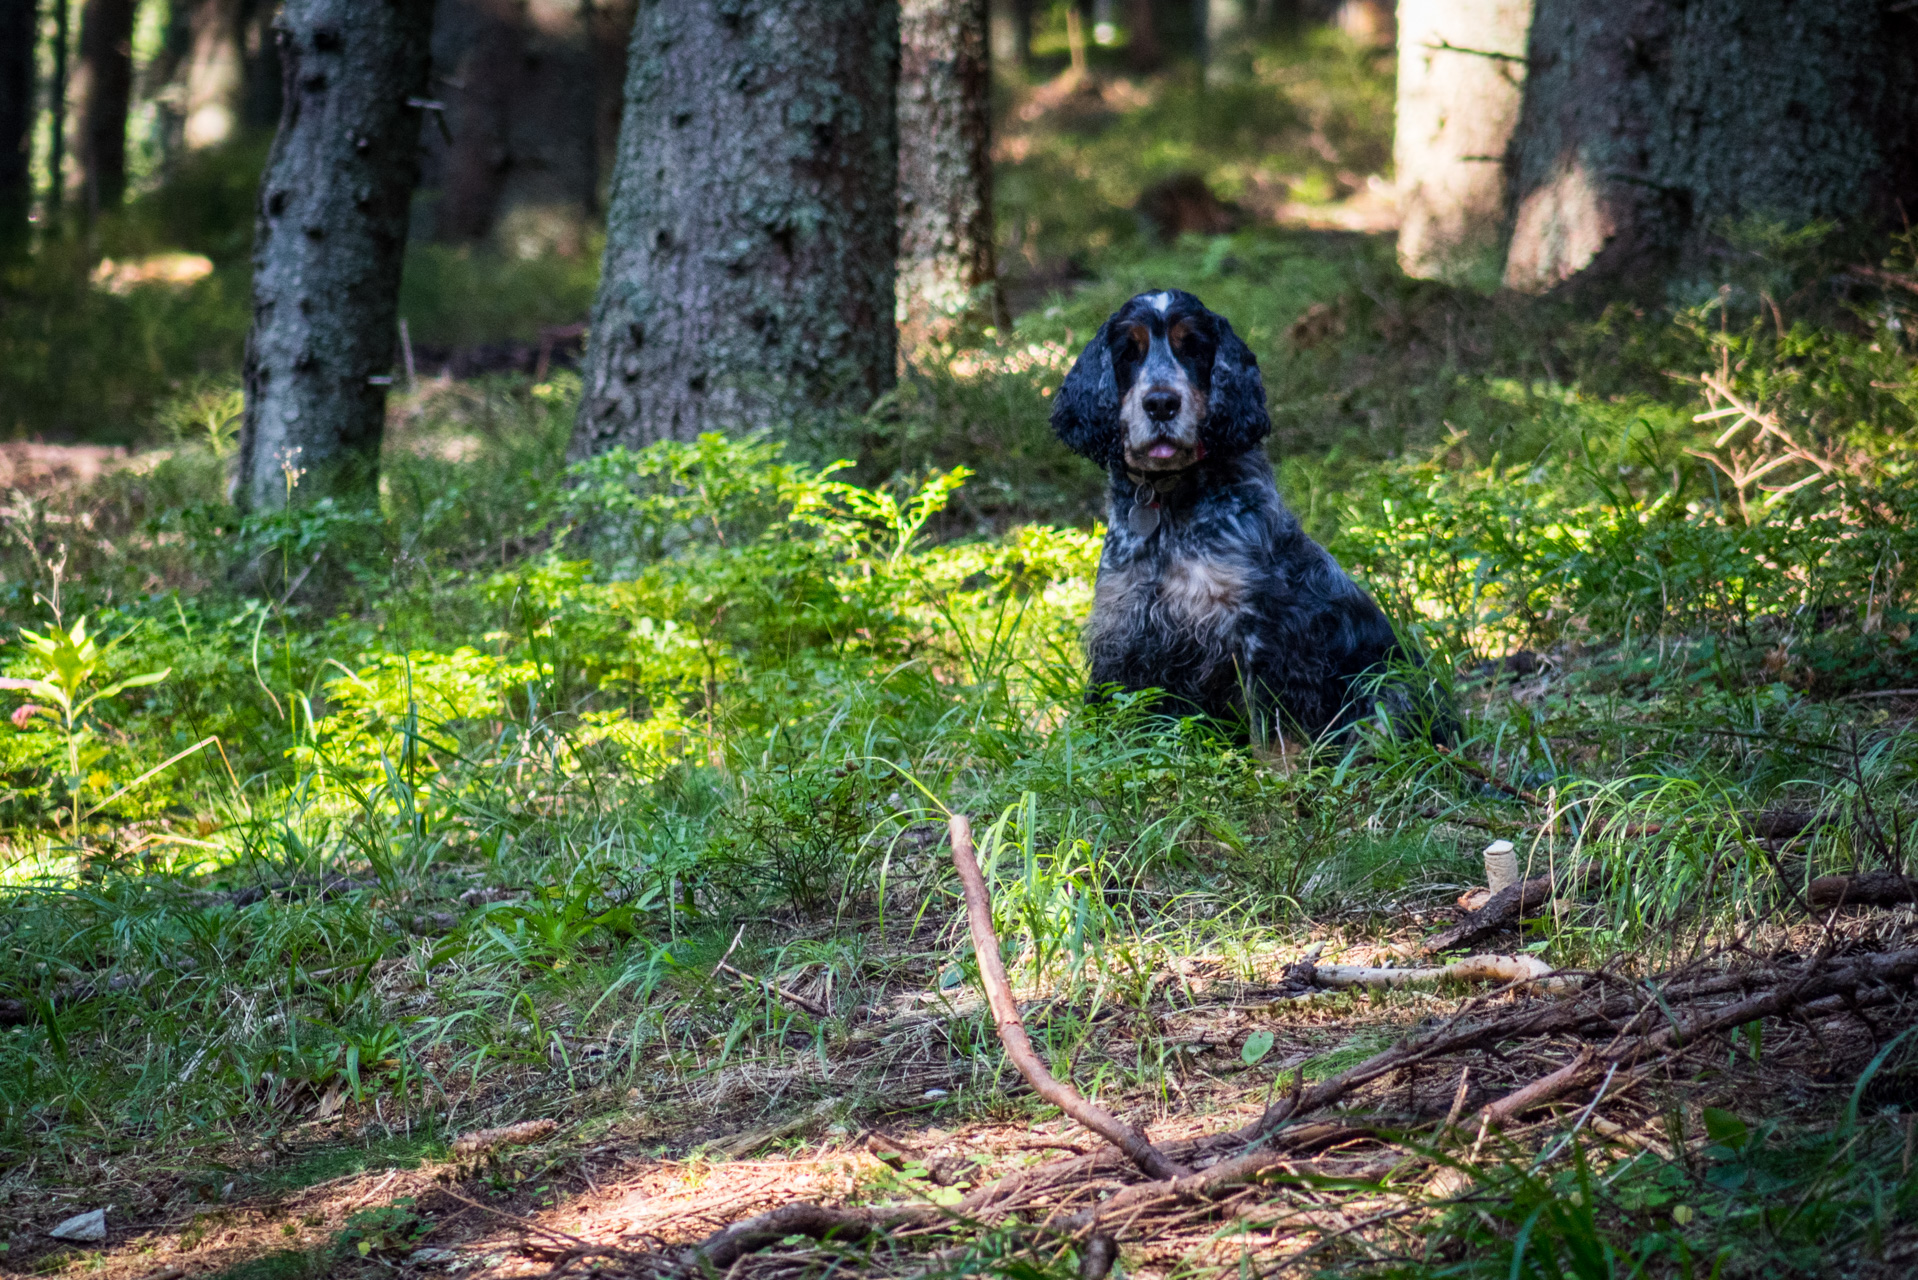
[1180, 596]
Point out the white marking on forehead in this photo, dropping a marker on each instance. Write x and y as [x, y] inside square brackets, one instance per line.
[1159, 301]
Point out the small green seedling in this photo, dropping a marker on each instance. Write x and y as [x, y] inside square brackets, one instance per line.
[1256, 1046]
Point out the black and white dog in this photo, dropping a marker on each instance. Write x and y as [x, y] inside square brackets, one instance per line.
[1208, 588]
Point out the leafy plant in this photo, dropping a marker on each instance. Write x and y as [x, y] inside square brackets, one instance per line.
[65, 663]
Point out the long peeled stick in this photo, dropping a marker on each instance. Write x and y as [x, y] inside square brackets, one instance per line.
[1012, 1031]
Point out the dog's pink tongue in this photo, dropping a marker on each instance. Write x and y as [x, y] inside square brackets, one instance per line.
[1162, 451]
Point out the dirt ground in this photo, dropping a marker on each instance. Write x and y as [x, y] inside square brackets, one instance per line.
[626, 1183]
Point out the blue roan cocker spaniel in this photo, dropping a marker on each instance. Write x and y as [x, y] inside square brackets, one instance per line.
[1208, 588]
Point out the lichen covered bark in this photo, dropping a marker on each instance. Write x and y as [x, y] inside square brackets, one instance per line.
[328, 241]
[947, 276]
[748, 276]
[1648, 124]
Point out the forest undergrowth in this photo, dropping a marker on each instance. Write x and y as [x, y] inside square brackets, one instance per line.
[615, 797]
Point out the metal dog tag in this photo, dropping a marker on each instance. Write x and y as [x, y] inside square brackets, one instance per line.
[1142, 519]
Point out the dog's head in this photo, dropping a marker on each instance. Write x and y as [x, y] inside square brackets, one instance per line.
[1163, 384]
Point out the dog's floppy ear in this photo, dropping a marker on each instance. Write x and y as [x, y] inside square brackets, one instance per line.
[1236, 420]
[1085, 414]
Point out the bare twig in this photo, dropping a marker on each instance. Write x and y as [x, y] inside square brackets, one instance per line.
[1891, 278]
[1012, 1030]
[813, 1007]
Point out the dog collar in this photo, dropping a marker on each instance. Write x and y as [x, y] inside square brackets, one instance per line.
[1164, 482]
[1160, 482]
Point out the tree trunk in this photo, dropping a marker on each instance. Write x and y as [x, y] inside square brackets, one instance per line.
[1649, 124]
[947, 279]
[327, 247]
[748, 277]
[482, 45]
[1011, 26]
[57, 103]
[1144, 53]
[1461, 74]
[214, 74]
[261, 92]
[106, 73]
[1221, 26]
[18, 43]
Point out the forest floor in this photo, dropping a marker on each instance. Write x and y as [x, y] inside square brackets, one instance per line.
[627, 1188]
[548, 868]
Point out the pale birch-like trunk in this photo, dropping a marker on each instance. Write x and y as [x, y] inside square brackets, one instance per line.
[1461, 79]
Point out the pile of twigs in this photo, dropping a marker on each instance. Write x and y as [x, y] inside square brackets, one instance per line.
[1611, 1028]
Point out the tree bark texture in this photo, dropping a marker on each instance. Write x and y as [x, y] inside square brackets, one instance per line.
[328, 240]
[1461, 75]
[947, 277]
[750, 240]
[18, 43]
[1649, 124]
[106, 74]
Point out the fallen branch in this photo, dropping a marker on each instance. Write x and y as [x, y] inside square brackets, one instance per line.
[1012, 1030]
[813, 1007]
[1544, 1089]
[1503, 909]
[1870, 889]
[512, 1135]
[18, 1013]
[744, 1144]
[727, 1246]
[1470, 969]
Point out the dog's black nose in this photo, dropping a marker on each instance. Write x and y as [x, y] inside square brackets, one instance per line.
[1162, 406]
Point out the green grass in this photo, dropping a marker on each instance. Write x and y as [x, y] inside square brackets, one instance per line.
[568, 732]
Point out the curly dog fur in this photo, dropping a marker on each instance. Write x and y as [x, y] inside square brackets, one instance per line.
[1208, 588]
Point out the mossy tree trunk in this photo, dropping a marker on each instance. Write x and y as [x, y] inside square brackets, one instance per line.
[748, 276]
[106, 92]
[948, 281]
[18, 41]
[328, 242]
[1648, 125]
